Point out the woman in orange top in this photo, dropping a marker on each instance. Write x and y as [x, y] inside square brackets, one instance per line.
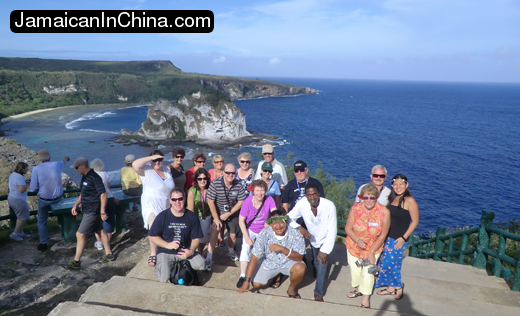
[367, 226]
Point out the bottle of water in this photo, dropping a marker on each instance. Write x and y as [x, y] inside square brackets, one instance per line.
[181, 281]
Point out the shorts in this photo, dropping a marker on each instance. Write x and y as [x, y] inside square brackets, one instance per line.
[133, 192]
[91, 223]
[20, 208]
[263, 276]
[110, 209]
[245, 253]
[231, 224]
[205, 225]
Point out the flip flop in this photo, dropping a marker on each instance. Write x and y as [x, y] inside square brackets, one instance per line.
[354, 294]
[277, 282]
[385, 292]
[363, 306]
[152, 260]
[296, 296]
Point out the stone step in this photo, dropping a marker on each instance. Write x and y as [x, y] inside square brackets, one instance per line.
[83, 309]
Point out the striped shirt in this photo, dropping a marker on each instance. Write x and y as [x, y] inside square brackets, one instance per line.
[225, 199]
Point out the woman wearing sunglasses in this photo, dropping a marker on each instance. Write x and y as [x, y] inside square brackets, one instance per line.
[176, 169]
[245, 174]
[404, 213]
[273, 189]
[199, 161]
[367, 226]
[218, 171]
[197, 203]
[157, 185]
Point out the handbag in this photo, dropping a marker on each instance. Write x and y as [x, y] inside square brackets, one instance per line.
[183, 274]
[239, 232]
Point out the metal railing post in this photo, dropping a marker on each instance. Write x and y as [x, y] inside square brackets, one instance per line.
[486, 221]
[439, 244]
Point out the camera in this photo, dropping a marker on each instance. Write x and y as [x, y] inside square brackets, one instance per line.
[362, 262]
[373, 270]
[226, 208]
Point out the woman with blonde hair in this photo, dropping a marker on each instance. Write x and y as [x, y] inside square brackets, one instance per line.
[245, 174]
[218, 171]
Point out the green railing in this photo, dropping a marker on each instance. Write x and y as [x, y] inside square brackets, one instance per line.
[472, 247]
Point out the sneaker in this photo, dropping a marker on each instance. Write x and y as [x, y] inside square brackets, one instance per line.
[72, 265]
[207, 265]
[106, 258]
[24, 235]
[16, 237]
[42, 247]
[240, 282]
[98, 245]
[233, 255]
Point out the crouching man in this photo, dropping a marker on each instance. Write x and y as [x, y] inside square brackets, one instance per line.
[176, 232]
[282, 248]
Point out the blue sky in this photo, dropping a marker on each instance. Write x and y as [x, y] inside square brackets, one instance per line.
[432, 40]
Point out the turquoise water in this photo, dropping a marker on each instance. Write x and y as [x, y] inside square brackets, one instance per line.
[456, 142]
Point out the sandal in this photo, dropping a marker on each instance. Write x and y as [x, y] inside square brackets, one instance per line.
[296, 296]
[277, 281]
[402, 293]
[152, 260]
[363, 306]
[386, 292]
[354, 294]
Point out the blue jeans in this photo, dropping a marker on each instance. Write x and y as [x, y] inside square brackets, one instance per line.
[321, 272]
[43, 215]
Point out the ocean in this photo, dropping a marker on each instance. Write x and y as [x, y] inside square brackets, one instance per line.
[456, 142]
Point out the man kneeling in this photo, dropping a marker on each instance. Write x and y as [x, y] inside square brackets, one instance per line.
[176, 232]
[282, 248]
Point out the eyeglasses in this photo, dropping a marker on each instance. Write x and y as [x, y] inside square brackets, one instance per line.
[371, 198]
[200, 161]
[221, 161]
[179, 157]
[176, 199]
[245, 161]
[229, 172]
[202, 179]
[158, 160]
[299, 170]
[275, 219]
[382, 176]
[267, 154]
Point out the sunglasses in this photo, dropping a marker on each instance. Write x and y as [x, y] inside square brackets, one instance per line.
[299, 170]
[275, 219]
[371, 198]
[228, 173]
[382, 176]
[202, 179]
[158, 159]
[269, 171]
[221, 161]
[245, 161]
[176, 199]
[181, 157]
[267, 154]
[200, 161]
[76, 168]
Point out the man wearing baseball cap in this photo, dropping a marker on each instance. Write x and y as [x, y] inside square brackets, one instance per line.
[46, 179]
[279, 173]
[295, 189]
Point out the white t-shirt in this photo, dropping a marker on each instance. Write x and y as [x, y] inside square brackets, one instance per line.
[16, 179]
[106, 179]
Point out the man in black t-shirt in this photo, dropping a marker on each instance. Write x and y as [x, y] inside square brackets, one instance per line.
[177, 233]
[295, 189]
[93, 200]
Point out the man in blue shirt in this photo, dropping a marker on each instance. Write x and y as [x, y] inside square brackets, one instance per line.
[46, 179]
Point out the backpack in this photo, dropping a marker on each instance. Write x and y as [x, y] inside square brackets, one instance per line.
[183, 270]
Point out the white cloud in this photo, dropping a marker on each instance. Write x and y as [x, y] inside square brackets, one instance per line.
[221, 59]
[274, 60]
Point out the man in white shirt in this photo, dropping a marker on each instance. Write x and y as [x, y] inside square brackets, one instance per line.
[378, 177]
[319, 215]
[279, 173]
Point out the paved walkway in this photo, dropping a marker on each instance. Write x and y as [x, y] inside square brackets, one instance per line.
[432, 288]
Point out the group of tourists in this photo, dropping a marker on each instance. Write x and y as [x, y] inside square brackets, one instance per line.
[272, 218]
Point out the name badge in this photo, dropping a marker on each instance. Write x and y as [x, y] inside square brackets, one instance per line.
[373, 224]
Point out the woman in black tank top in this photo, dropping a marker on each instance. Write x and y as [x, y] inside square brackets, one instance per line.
[404, 214]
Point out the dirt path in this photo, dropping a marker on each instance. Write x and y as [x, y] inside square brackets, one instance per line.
[33, 283]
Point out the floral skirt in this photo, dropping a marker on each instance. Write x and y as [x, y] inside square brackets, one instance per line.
[390, 263]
